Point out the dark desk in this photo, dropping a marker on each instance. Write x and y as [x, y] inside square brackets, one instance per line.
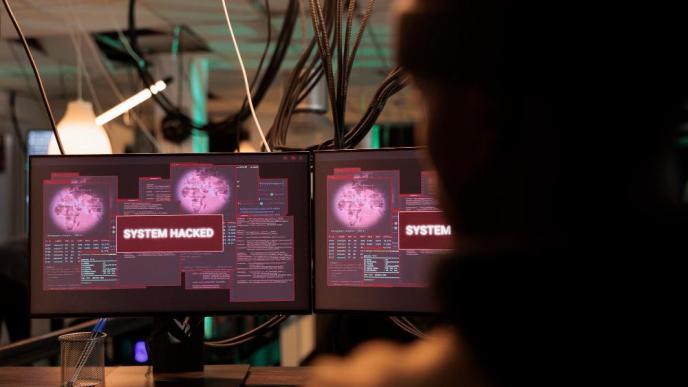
[214, 375]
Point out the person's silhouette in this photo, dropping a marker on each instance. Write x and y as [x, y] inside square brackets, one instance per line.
[14, 302]
[551, 125]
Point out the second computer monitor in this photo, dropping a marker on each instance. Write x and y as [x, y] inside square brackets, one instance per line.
[163, 234]
[379, 231]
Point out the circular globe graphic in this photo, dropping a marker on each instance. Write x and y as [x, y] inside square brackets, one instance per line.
[75, 210]
[358, 205]
[202, 192]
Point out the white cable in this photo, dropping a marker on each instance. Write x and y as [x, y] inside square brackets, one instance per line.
[243, 72]
[142, 127]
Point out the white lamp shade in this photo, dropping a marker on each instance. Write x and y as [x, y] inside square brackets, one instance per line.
[246, 147]
[79, 133]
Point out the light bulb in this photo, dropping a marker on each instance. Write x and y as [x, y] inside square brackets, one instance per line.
[79, 132]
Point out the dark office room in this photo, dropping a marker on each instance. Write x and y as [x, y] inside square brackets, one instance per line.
[341, 193]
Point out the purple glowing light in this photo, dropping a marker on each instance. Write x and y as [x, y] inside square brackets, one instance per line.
[76, 210]
[358, 205]
[140, 352]
[202, 192]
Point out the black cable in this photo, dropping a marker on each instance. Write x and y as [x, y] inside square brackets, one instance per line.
[36, 74]
[274, 134]
[305, 74]
[268, 41]
[263, 328]
[349, 62]
[393, 83]
[344, 73]
[378, 47]
[359, 35]
[407, 326]
[284, 39]
[177, 33]
[324, 47]
[311, 83]
[391, 86]
[141, 68]
[339, 118]
[15, 122]
[25, 75]
[260, 85]
[331, 42]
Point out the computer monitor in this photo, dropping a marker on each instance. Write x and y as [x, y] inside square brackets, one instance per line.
[37, 141]
[170, 234]
[378, 231]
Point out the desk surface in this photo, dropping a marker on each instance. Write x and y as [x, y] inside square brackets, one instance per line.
[214, 375]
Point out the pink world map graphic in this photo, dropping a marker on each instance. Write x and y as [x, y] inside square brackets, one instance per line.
[359, 205]
[76, 210]
[200, 191]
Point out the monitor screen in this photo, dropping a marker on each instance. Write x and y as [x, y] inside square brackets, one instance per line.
[378, 231]
[160, 234]
[37, 142]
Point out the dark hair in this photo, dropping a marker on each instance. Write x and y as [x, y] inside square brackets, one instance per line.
[570, 109]
[554, 122]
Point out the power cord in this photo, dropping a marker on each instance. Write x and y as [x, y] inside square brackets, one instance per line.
[15, 122]
[243, 73]
[259, 69]
[234, 120]
[263, 328]
[409, 327]
[332, 39]
[37, 75]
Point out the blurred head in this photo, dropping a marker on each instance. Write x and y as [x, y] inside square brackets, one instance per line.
[542, 115]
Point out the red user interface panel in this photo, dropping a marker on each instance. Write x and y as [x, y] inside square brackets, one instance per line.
[170, 233]
[379, 231]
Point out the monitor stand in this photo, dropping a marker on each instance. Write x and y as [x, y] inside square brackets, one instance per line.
[177, 348]
[176, 353]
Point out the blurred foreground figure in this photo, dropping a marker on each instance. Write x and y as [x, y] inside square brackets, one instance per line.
[14, 289]
[552, 127]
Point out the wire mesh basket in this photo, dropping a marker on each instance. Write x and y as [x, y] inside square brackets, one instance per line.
[82, 359]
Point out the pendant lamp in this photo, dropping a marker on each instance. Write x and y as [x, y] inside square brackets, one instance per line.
[79, 132]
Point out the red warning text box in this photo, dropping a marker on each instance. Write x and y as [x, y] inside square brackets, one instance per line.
[169, 233]
[424, 230]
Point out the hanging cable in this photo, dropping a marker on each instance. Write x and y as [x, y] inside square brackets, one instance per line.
[232, 121]
[304, 75]
[36, 74]
[140, 125]
[331, 41]
[15, 122]
[408, 326]
[81, 66]
[324, 47]
[25, 75]
[243, 72]
[147, 78]
[259, 69]
[84, 36]
[395, 81]
[263, 328]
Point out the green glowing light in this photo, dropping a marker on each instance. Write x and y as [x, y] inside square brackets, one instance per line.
[375, 137]
[199, 139]
[208, 332]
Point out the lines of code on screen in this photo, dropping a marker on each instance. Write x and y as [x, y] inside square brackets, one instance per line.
[211, 226]
[379, 234]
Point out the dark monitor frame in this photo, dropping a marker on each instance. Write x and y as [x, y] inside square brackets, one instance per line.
[308, 309]
[317, 268]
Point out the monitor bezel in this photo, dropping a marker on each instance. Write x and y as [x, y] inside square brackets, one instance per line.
[304, 311]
